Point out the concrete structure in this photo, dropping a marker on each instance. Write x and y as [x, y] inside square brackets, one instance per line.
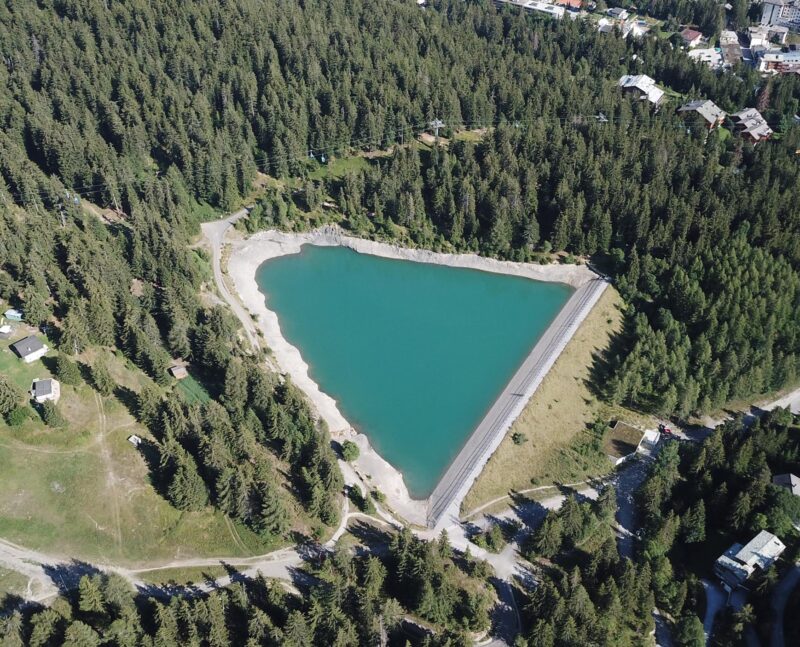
[738, 563]
[135, 440]
[751, 125]
[6, 331]
[445, 502]
[731, 50]
[788, 481]
[643, 87]
[649, 441]
[178, 372]
[48, 390]
[535, 6]
[708, 55]
[29, 349]
[780, 62]
[691, 37]
[706, 110]
[783, 13]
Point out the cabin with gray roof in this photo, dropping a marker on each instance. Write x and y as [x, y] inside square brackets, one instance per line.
[706, 110]
[29, 349]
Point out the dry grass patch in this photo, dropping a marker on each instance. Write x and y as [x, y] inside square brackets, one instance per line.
[556, 445]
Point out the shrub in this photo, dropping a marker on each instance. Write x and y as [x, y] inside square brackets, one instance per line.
[18, 416]
[350, 451]
[52, 416]
[10, 396]
[519, 438]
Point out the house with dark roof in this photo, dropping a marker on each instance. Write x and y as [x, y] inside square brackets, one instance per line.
[29, 349]
[48, 390]
[788, 481]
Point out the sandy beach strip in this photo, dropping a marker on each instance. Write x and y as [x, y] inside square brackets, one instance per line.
[247, 255]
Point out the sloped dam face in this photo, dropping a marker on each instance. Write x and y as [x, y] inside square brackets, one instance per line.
[414, 354]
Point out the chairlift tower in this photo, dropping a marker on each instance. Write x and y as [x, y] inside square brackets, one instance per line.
[436, 124]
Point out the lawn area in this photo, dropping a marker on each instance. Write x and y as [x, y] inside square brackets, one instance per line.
[192, 390]
[339, 167]
[12, 583]
[557, 446]
[83, 491]
[183, 576]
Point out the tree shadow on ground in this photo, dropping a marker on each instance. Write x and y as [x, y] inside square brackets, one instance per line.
[152, 457]
[128, 399]
[370, 535]
[67, 575]
[606, 362]
[531, 513]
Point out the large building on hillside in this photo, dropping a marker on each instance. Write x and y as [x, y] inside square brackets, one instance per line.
[642, 87]
[739, 562]
[785, 13]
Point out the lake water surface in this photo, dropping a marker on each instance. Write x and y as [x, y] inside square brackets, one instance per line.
[414, 354]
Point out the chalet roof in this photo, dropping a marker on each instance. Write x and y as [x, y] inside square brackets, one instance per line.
[706, 108]
[27, 346]
[646, 85]
[789, 481]
[42, 387]
[690, 35]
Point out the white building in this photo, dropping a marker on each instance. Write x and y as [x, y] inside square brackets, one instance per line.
[739, 562]
[536, 6]
[643, 86]
[48, 390]
[784, 13]
[780, 62]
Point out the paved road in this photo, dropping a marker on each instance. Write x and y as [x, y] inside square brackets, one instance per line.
[780, 596]
[445, 501]
[715, 600]
[215, 232]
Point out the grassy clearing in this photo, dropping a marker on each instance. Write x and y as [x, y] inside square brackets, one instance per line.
[557, 446]
[339, 167]
[83, 491]
[192, 390]
[183, 576]
[12, 583]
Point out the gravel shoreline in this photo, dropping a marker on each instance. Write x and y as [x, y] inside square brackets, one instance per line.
[247, 255]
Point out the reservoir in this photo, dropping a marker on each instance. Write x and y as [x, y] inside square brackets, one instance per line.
[413, 353]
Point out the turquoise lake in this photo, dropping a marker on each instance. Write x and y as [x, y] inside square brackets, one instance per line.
[414, 354]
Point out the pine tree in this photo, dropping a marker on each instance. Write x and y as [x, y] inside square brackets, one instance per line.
[187, 490]
[10, 396]
[90, 596]
[101, 377]
[67, 371]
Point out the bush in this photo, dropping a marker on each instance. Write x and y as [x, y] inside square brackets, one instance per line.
[379, 496]
[18, 416]
[52, 416]
[363, 503]
[350, 451]
[519, 438]
[67, 371]
[10, 396]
